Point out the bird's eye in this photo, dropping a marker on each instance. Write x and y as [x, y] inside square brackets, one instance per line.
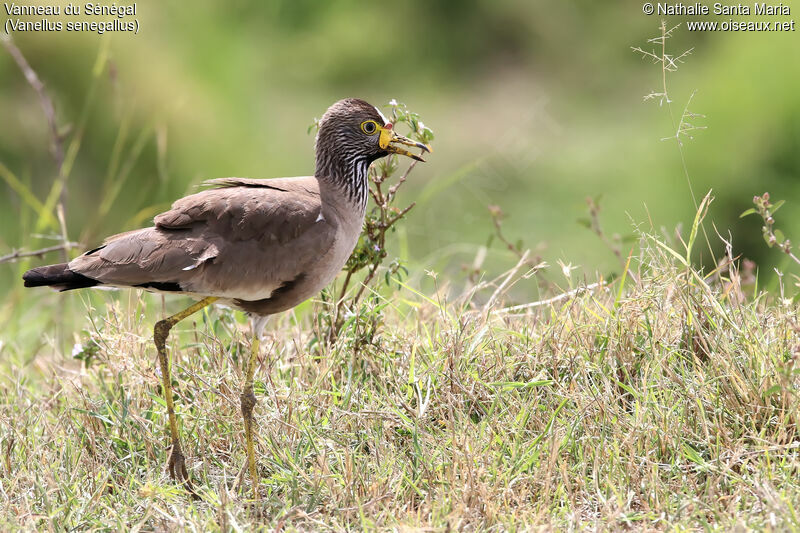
[369, 127]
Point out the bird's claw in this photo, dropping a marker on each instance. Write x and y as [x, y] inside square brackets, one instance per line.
[177, 465]
[177, 469]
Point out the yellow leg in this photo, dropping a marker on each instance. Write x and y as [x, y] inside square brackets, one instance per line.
[248, 401]
[177, 468]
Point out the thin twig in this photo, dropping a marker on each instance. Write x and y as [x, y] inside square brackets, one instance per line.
[554, 299]
[56, 147]
[56, 140]
[398, 216]
[17, 254]
[522, 260]
[375, 230]
[393, 188]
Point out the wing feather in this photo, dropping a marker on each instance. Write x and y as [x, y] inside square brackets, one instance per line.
[243, 236]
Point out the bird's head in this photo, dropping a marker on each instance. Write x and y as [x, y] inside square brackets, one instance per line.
[353, 131]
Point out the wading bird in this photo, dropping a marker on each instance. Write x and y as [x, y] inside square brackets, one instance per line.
[261, 246]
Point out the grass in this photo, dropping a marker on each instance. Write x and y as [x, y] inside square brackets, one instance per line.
[664, 401]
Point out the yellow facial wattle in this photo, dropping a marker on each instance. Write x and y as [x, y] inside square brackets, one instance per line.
[387, 134]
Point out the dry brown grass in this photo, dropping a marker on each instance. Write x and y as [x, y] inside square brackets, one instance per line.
[666, 400]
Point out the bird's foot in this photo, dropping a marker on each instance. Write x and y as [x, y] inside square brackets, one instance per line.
[176, 466]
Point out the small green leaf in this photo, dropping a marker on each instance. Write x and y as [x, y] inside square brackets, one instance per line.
[693, 455]
[747, 212]
[510, 385]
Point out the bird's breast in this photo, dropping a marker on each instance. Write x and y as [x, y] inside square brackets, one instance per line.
[336, 240]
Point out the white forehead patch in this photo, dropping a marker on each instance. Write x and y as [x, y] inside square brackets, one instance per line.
[385, 120]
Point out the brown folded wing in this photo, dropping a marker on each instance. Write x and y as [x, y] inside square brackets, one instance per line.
[241, 240]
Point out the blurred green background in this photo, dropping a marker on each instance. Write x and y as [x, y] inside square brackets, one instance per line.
[535, 106]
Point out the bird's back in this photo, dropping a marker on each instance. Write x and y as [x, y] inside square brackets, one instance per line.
[264, 245]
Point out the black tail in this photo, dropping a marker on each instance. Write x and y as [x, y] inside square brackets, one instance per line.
[59, 277]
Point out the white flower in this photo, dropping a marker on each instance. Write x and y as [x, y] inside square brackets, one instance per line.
[566, 268]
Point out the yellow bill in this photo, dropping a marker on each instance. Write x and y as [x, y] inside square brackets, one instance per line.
[390, 139]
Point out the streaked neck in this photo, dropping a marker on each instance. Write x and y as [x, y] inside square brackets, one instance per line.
[348, 173]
